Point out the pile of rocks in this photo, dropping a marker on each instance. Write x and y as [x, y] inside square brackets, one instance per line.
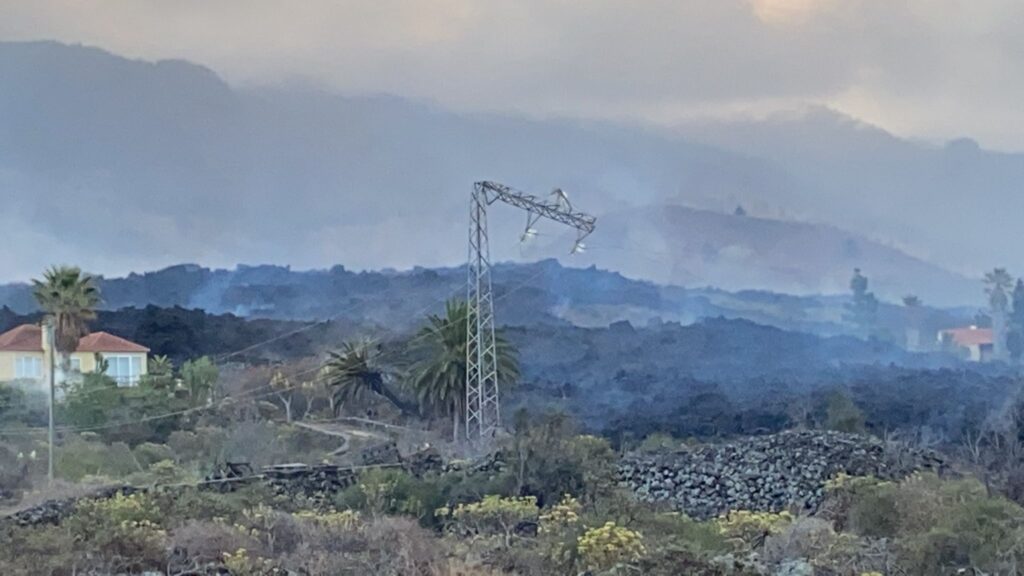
[53, 511]
[765, 473]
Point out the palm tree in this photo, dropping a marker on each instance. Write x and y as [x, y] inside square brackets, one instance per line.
[440, 380]
[70, 299]
[998, 284]
[356, 370]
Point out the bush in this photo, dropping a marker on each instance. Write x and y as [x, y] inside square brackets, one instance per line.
[383, 491]
[550, 460]
[748, 530]
[204, 541]
[148, 453]
[610, 548]
[492, 516]
[124, 531]
[37, 551]
[79, 458]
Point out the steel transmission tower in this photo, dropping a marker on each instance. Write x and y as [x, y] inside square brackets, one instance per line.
[483, 411]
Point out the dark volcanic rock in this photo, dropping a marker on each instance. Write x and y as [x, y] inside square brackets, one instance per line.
[766, 473]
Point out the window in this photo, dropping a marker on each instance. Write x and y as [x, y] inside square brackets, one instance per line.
[126, 370]
[28, 367]
[76, 365]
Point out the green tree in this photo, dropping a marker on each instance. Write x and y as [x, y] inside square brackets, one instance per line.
[160, 374]
[440, 379]
[356, 370]
[1015, 328]
[914, 315]
[998, 283]
[199, 377]
[69, 298]
[842, 415]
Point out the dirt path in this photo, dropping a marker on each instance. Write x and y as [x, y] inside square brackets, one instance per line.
[345, 432]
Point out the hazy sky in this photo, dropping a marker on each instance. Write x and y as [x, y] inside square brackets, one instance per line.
[932, 69]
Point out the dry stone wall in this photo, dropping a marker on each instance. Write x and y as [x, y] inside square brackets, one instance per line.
[766, 473]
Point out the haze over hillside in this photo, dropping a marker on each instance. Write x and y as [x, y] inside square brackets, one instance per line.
[120, 155]
[539, 293]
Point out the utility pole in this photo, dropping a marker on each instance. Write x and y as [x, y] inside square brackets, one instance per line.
[50, 342]
[483, 411]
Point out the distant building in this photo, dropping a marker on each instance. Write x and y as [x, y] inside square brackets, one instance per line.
[977, 344]
[24, 354]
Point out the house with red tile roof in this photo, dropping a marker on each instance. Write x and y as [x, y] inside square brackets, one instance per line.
[976, 344]
[24, 356]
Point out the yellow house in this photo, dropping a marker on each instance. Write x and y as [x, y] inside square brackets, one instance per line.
[24, 356]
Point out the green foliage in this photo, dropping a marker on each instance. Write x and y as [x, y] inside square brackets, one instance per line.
[148, 453]
[389, 491]
[356, 371]
[199, 378]
[938, 524]
[440, 379]
[493, 516]
[549, 460]
[610, 548]
[842, 415]
[126, 530]
[748, 529]
[659, 442]
[78, 458]
[203, 445]
[123, 413]
[70, 299]
[14, 469]
[160, 374]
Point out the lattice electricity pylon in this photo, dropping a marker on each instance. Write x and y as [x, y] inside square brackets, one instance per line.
[483, 410]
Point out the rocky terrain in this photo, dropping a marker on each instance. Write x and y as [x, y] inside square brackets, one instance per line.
[766, 473]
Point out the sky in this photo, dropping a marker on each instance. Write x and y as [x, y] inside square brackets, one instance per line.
[926, 69]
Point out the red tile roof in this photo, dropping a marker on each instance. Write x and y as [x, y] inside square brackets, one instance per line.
[24, 338]
[29, 338]
[969, 336]
[106, 342]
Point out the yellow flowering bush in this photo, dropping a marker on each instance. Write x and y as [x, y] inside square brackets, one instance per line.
[610, 547]
[346, 519]
[241, 563]
[493, 515]
[121, 526]
[560, 516]
[749, 529]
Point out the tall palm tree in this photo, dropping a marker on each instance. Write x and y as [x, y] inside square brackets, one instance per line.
[357, 370]
[70, 299]
[440, 379]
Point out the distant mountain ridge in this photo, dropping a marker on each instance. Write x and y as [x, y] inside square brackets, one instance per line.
[539, 293]
[146, 164]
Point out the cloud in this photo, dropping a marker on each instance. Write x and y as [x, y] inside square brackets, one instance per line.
[928, 68]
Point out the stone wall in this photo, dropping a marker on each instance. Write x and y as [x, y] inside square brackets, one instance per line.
[766, 473]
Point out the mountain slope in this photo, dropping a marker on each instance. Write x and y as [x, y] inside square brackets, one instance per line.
[147, 164]
[741, 252]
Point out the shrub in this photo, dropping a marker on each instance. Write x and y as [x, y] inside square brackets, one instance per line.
[78, 458]
[148, 453]
[198, 542]
[492, 516]
[748, 530]
[610, 548]
[125, 530]
[40, 550]
[388, 491]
